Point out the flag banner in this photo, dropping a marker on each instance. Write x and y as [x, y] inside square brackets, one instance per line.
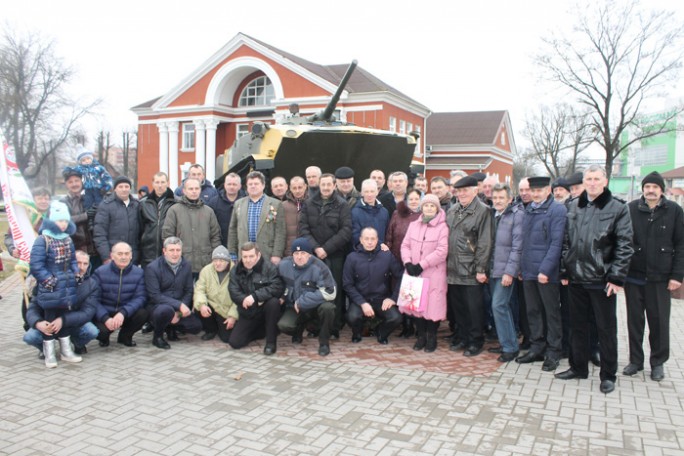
[21, 210]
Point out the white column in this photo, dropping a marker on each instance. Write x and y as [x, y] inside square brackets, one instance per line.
[211, 126]
[200, 141]
[173, 154]
[163, 147]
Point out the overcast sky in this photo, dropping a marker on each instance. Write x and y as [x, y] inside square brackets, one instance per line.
[449, 56]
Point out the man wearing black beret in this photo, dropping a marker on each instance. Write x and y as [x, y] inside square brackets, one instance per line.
[544, 227]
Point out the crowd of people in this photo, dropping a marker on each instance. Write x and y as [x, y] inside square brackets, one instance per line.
[538, 271]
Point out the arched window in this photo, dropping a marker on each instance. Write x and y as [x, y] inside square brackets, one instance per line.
[259, 92]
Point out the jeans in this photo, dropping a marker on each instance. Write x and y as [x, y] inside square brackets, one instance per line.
[80, 336]
[503, 315]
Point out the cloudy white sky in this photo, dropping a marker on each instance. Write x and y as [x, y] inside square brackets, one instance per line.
[450, 56]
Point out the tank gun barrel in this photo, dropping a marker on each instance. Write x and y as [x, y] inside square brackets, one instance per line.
[326, 114]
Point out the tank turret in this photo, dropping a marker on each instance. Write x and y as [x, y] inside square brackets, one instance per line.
[286, 149]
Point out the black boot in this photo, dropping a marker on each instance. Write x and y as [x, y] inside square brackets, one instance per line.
[420, 332]
[431, 336]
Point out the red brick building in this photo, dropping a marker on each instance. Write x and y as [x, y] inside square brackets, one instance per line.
[247, 81]
[471, 141]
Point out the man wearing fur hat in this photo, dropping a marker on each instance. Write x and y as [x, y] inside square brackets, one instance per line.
[656, 269]
[117, 220]
[309, 294]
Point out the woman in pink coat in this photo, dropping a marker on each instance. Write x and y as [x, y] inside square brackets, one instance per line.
[424, 253]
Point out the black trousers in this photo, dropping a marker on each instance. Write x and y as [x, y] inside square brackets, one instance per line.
[565, 317]
[293, 323]
[653, 299]
[391, 318]
[264, 324]
[544, 318]
[523, 323]
[582, 301]
[469, 311]
[130, 326]
[214, 323]
[162, 315]
[336, 265]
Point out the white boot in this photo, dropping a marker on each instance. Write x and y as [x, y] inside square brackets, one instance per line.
[67, 354]
[49, 352]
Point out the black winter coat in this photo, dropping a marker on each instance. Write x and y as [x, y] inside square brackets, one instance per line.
[658, 241]
[327, 225]
[116, 222]
[598, 241]
[262, 282]
[367, 276]
[87, 298]
[223, 208]
[165, 287]
[152, 215]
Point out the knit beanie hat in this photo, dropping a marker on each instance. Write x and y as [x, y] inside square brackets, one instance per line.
[653, 178]
[122, 180]
[220, 253]
[81, 153]
[59, 211]
[430, 198]
[301, 245]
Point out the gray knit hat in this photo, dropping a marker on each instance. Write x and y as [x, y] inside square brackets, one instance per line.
[220, 253]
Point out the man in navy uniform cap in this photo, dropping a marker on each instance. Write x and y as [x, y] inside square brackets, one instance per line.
[544, 227]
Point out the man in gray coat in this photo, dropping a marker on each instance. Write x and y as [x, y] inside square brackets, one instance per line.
[258, 218]
[195, 224]
[470, 245]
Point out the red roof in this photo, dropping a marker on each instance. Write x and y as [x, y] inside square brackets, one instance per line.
[463, 128]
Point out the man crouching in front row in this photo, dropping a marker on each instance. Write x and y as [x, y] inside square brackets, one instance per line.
[309, 294]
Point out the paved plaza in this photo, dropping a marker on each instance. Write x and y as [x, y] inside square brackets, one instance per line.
[204, 398]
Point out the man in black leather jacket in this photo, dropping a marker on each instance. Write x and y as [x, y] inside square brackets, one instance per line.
[596, 255]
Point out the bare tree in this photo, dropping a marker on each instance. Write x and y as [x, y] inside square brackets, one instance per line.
[524, 162]
[616, 57]
[558, 135]
[103, 147]
[36, 114]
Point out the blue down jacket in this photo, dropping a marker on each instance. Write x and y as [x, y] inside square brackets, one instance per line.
[56, 281]
[123, 290]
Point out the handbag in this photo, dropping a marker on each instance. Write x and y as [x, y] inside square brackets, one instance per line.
[413, 293]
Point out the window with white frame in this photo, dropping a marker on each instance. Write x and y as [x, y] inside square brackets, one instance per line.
[409, 127]
[503, 138]
[418, 149]
[242, 130]
[402, 127]
[392, 124]
[259, 92]
[188, 136]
